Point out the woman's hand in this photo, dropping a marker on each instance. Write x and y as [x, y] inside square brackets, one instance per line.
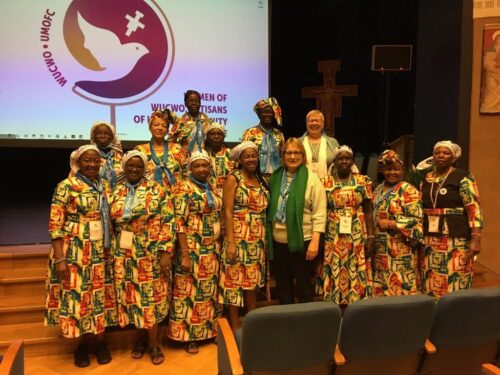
[185, 261]
[312, 250]
[231, 252]
[165, 262]
[62, 270]
[383, 225]
[475, 245]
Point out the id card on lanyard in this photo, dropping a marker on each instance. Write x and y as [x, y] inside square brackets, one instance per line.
[95, 229]
[345, 226]
[126, 240]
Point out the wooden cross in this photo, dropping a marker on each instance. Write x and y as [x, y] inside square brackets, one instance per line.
[329, 96]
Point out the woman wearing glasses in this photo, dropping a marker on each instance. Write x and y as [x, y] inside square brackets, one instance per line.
[297, 217]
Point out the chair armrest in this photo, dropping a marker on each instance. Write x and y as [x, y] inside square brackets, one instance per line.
[338, 357]
[11, 356]
[489, 369]
[429, 347]
[233, 355]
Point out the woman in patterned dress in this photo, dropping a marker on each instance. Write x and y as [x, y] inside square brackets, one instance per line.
[452, 224]
[103, 135]
[219, 154]
[349, 235]
[267, 135]
[194, 307]
[80, 291]
[143, 217]
[243, 260]
[398, 218]
[165, 159]
[190, 129]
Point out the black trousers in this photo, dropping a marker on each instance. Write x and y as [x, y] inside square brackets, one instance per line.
[289, 266]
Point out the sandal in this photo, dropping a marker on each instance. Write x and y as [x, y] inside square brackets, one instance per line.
[157, 356]
[81, 356]
[192, 347]
[139, 350]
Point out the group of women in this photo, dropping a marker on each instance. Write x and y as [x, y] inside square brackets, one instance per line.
[175, 230]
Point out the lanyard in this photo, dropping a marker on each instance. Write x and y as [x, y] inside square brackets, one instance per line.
[434, 197]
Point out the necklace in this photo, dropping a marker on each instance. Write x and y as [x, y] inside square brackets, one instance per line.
[434, 197]
[342, 181]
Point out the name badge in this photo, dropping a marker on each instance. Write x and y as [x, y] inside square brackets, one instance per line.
[126, 240]
[433, 224]
[216, 230]
[345, 225]
[279, 225]
[95, 228]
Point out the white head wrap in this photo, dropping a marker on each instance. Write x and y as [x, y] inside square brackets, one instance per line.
[115, 143]
[216, 125]
[453, 147]
[75, 155]
[198, 155]
[338, 150]
[238, 150]
[130, 154]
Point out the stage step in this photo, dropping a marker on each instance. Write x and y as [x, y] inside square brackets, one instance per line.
[40, 340]
[24, 256]
[28, 284]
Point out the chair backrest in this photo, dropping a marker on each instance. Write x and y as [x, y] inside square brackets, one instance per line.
[466, 332]
[386, 327]
[13, 359]
[288, 337]
[467, 318]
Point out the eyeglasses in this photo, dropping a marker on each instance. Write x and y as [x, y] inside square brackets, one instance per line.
[294, 153]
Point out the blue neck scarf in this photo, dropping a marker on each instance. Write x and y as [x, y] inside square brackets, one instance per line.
[129, 199]
[269, 154]
[161, 165]
[205, 186]
[197, 136]
[284, 191]
[98, 188]
[107, 170]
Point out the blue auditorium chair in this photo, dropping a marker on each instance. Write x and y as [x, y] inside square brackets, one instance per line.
[384, 335]
[465, 332]
[12, 361]
[299, 338]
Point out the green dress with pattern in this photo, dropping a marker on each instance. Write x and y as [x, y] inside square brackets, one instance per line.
[86, 302]
[142, 290]
[194, 308]
[249, 228]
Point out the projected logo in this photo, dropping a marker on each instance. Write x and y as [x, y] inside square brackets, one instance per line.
[126, 48]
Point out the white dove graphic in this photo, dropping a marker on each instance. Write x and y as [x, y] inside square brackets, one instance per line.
[115, 59]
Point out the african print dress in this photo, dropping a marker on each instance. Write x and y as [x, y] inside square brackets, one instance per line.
[194, 307]
[445, 263]
[395, 266]
[147, 216]
[249, 228]
[86, 302]
[185, 132]
[346, 273]
[269, 152]
[170, 171]
[221, 167]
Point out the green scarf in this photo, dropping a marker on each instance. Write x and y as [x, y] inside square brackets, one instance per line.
[294, 209]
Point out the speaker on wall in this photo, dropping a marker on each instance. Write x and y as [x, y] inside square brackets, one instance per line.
[391, 57]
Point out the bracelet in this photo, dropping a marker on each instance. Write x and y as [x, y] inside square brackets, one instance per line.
[371, 236]
[59, 260]
[476, 234]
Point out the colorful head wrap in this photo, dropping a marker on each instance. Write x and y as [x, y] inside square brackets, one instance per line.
[271, 102]
[75, 155]
[216, 125]
[198, 155]
[130, 154]
[389, 157]
[238, 150]
[165, 114]
[453, 147]
[115, 142]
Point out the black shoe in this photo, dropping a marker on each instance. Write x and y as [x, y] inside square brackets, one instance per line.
[103, 354]
[81, 356]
